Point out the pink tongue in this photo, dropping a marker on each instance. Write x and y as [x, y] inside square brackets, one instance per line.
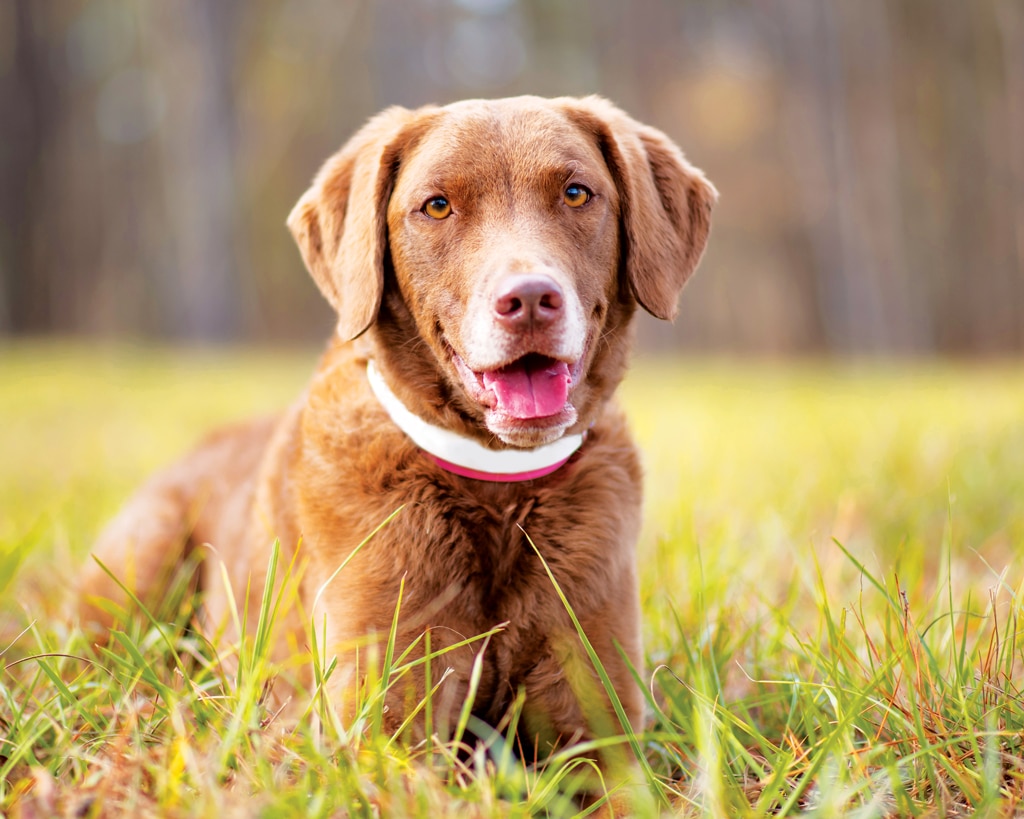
[530, 389]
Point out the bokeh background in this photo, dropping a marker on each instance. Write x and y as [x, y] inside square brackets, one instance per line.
[870, 155]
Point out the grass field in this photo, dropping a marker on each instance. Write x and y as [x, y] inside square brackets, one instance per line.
[831, 576]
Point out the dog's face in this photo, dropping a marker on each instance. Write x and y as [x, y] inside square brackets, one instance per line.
[513, 238]
[504, 239]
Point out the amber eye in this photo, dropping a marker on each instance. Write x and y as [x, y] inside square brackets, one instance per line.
[438, 208]
[576, 196]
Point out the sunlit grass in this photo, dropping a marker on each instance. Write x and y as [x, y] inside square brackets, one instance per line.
[830, 575]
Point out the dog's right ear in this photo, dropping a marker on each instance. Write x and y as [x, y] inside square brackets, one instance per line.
[340, 223]
[666, 203]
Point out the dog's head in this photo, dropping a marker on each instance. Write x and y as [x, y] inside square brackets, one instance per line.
[496, 250]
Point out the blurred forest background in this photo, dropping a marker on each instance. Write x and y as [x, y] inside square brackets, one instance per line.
[869, 153]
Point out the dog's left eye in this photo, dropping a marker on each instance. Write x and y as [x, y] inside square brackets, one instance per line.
[576, 196]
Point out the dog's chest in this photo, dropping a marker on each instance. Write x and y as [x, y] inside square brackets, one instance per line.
[484, 556]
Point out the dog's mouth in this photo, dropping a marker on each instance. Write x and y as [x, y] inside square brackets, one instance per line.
[531, 392]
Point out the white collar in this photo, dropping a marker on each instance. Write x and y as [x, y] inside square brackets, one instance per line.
[466, 457]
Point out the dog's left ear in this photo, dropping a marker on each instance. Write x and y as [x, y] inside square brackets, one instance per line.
[665, 203]
[340, 223]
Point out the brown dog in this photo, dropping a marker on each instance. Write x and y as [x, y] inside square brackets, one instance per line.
[485, 260]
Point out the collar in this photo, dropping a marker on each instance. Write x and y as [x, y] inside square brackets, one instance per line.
[466, 457]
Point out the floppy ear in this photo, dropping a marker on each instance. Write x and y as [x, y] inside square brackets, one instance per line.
[340, 223]
[665, 204]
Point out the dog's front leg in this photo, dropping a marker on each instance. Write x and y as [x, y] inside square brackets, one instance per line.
[566, 699]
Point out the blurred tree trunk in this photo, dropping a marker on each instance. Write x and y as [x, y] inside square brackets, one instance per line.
[820, 143]
[1010, 23]
[975, 312]
[194, 45]
[880, 186]
[29, 93]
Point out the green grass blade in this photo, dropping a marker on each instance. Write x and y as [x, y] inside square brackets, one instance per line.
[627, 727]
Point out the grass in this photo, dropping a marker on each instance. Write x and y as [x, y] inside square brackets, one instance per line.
[830, 573]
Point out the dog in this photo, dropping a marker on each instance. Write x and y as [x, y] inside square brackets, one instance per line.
[486, 260]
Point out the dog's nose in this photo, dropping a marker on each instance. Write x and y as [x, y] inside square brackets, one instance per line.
[528, 299]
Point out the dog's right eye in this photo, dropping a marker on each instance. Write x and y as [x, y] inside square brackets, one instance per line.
[438, 208]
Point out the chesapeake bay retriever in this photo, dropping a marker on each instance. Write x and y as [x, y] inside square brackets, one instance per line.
[485, 260]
